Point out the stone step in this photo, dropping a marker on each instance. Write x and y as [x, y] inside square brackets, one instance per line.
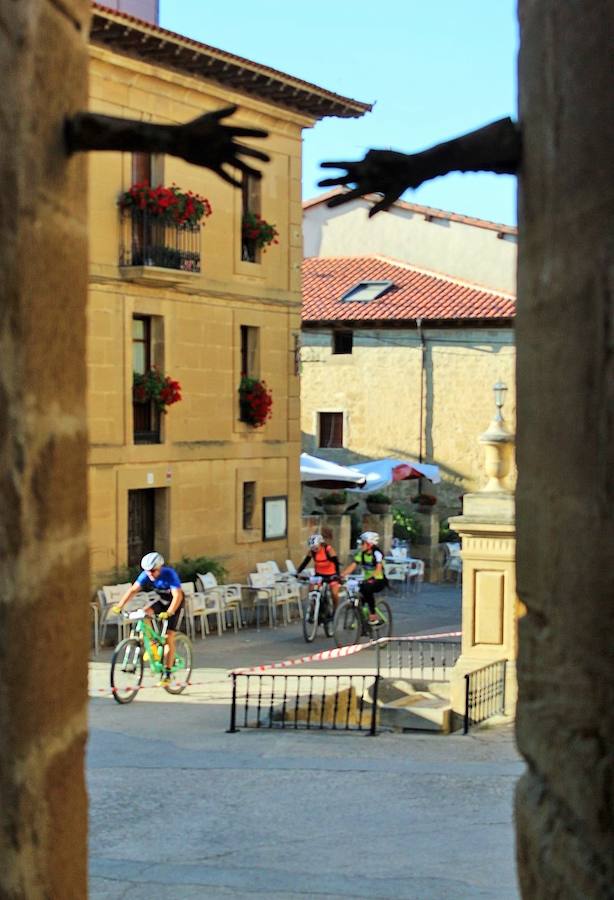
[414, 705]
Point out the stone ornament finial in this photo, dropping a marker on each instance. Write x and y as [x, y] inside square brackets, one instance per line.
[497, 441]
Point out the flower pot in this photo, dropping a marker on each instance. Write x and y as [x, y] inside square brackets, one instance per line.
[335, 509]
[379, 509]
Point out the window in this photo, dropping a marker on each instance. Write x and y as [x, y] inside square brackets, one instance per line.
[343, 341]
[250, 341]
[249, 504]
[366, 291]
[146, 418]
[250, 202]
[331, 429]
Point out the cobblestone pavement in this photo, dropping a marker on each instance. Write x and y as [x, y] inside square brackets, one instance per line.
[181, 809]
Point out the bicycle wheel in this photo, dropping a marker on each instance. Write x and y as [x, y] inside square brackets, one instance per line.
[329, 623]
[182, 667]
[311, 615]
[382, 608]
[126, 670]
[347, 626]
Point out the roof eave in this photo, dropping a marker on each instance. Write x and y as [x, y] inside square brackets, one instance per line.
[132, 37]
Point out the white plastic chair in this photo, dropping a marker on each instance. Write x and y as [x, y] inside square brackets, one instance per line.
[452, 562]
[108, 596]
[217, 602]
[195, 607]
[415, 573]
[270, 593]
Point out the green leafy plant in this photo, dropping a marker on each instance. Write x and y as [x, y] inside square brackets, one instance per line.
[188, 567]
[255, 228]
[255, 401]
[378, 497]
[153, 385]
[404, 525]
[335, 498]
[446, 534]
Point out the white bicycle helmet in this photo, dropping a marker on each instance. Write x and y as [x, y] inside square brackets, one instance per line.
[152, 561]
[314, 540]
[369, 537]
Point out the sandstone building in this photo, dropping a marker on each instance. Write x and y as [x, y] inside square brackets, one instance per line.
[202, 305]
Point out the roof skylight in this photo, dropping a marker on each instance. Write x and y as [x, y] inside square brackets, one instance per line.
[366, 291]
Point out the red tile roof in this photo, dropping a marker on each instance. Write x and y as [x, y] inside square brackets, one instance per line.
[417, 293]
[426, 211]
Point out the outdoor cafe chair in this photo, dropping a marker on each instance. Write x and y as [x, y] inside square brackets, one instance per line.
[218, 602]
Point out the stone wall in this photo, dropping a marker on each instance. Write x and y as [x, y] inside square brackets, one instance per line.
[565, 494]
[44, 626]
[377, 387]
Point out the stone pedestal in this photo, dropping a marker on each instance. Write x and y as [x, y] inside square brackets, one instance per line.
[426, 545]
[382, 524]
[490, 606]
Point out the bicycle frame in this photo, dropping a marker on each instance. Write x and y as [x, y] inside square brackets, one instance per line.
[153, 640]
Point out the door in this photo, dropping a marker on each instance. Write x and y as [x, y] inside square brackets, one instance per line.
[141, 524]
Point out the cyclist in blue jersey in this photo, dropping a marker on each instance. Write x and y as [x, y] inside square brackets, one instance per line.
[165, 581]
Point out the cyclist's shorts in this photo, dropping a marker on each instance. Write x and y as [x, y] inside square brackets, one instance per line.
[159, 607]
[330, 579]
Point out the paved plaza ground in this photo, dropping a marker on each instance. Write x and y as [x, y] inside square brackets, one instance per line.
[180, 809]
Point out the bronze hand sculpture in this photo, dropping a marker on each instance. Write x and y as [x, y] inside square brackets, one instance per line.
[494, 148]
[204, 141]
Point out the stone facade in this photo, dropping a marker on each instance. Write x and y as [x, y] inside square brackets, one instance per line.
[206, 454]
[378, 389]
[43, 445]
[565, 494]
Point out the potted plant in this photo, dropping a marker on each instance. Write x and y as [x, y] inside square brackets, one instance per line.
[424, 501]
[169, 205]
[257, 232]
[404, 525]
[255, 401]
[153, 386]
[378, 502]
[333, 503]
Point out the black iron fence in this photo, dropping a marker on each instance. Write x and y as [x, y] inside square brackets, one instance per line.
[421, 659]
[484, 693]
[339, 702]
[148, 241]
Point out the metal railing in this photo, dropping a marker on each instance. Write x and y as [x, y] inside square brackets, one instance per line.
[148, 241]
[339, 702]
[484, 693]
[427, 660]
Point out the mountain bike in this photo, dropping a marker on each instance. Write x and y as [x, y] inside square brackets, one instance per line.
[351, 622]
[146, 644]
[319, 609]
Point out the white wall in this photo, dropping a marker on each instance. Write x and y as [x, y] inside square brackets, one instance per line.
[470, 252]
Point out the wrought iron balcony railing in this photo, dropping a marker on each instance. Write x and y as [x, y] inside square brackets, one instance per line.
[148, 241]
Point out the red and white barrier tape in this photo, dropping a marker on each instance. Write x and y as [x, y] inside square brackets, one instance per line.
[339, 652]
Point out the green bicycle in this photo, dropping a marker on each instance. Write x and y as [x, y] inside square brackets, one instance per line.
[351, 623]
[146, 643]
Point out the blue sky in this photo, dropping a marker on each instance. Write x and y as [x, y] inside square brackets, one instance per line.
[433, 68]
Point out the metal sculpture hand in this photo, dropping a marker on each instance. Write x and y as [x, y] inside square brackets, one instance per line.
[494, 148]
[204, 141]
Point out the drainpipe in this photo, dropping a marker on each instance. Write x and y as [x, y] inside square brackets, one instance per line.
[421, 420]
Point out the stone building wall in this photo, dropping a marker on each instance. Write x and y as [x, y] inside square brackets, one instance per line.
[377, 387]
[565, 495]
[206, 453]
[43, 546]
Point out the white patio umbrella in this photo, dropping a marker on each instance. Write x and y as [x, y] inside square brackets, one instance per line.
[320, 473]
[383, 472]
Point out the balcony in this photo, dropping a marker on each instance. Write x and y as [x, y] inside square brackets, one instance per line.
[154, 251]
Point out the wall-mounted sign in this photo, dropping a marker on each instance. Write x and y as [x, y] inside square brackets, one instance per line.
[274, 518]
